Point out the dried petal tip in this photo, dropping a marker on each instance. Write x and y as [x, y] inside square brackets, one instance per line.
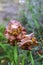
[30, 36]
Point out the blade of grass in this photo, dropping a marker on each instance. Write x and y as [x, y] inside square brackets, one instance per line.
[31, 57]
[35, 21]
[23, 60]
[5, 56]
[3, 46]
[12, 63]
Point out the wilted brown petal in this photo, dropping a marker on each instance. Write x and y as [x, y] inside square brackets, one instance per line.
[28, 42]
[22, 43]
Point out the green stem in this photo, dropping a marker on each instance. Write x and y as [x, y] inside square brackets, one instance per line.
[16, 54]
[31, 57]
[12, 63]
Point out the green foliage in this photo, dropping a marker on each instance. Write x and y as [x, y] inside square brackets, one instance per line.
[31, 21]
[2, 28]
[2, 36]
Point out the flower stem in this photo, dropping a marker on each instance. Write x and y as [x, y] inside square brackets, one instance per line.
[31, 57]
[16, 54]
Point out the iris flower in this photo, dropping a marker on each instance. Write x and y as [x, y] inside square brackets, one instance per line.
[14, 31]
[28, 42]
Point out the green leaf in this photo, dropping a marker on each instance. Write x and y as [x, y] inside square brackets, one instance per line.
[3, 46]
[2, 28]
[35, 21]
[2, 37]
[8, 49]
[5, 56]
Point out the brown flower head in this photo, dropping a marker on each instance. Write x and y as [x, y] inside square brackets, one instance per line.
[14, 31]
[28, 42]
[14, 27]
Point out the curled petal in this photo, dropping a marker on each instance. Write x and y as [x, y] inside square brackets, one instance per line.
[28, 42]
[26, 47]
[23, 43]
